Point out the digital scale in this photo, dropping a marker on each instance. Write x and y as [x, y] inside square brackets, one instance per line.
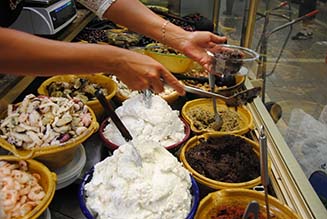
[45, 17]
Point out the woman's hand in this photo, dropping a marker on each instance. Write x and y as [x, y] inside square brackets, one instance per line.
[196, 44]
[140, 72]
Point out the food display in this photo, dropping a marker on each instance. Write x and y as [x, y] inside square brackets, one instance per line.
[230, 211]
[157, 122]
[231, 203]
[199, 114]
[26, 188]
[172, 59]
[44, 121]
[227, 158]
[119, 188]
[123, 93]
[81, 88]
[122, 38]
[20, 190]
[206, 119]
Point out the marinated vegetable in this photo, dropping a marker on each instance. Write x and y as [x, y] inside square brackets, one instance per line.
[80, 88]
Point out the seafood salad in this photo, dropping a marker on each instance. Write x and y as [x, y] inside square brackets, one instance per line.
[20, 190]
[44, 121]
[80, 88]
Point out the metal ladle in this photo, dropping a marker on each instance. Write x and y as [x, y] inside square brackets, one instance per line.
[119, 124]
[218, 120]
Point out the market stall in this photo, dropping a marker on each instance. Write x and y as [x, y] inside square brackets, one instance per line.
[287, 182]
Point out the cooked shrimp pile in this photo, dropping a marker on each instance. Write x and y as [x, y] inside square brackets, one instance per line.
[44, 121]
[20, 190]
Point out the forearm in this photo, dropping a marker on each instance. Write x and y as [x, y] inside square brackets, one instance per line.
[25, 54]
[137, 17]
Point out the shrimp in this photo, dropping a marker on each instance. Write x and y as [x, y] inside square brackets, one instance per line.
[36, 193]
[7, 182]
[9, 199]
[20, 176]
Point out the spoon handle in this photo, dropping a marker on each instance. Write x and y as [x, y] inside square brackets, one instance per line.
[114, 117]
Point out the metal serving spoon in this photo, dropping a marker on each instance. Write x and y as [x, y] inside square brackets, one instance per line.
[218, 120]
[119, 124]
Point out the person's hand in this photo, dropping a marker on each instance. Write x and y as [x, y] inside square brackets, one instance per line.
[141, 72]
[198, 43]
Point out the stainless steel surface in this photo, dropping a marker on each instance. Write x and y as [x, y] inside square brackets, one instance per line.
[264, 166]
[251, 210]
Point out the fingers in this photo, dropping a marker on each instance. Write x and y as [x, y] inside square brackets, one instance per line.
[218, 39]
[173, 82]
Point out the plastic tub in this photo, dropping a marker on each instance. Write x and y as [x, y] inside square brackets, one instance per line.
[88, 176]
[241, 197]
[72, 171]
[47, 181]
[99, 79]
[227, 64]
[54, 156]
[174, 63]
[172, 148]
[205, 104]
[215, 184]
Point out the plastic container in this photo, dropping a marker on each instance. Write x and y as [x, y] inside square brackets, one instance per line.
[241, 197]
[172, 148]
[246, 118]
[88, 214]
[174, 63]
[54, 156]
[72, 171]
[227, 64]
[102, 80]
[47, 181]
[215, 184]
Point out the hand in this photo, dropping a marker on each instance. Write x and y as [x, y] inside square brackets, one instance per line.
[141, 72]
[197, 43]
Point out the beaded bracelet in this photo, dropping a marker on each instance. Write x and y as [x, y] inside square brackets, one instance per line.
[163, 31]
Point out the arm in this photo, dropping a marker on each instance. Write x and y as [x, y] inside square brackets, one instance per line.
[26, 54]
[137, 17]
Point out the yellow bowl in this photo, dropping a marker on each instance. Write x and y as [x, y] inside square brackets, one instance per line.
[246, 119]
[242, 197]
[54, 156]
[99, 79]
[174, 63]
[215, 184]
[47, 181]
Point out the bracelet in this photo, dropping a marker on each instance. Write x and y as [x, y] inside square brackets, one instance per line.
[163, 31]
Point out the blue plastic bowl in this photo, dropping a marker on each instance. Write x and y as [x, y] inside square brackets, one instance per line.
[88, 176]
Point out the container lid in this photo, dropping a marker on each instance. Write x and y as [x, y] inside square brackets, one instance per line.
[69, 173]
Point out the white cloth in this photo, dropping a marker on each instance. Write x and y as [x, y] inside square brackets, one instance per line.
[97, 6]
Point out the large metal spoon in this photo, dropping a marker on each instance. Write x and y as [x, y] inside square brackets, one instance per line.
[218, 120]
[119, 124]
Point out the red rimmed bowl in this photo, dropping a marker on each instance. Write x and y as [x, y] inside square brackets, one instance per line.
[172, 148]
